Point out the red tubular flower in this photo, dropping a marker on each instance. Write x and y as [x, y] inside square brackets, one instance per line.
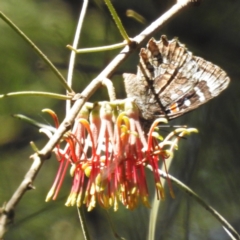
[108, 155]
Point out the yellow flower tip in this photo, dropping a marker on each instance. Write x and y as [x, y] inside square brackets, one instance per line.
[155, 123]
[67, 204]
[192, 130]
[175, 147]
[134, 190]
[71, 201]
[87, 170]
[92, 189]
[84, 122]
[125, 119]
[100, 184]
[90, 208]
[160, 120]
[185, 131]
[110, 201]
[92, 203]
[157, 136]
[50, 194]
[146, 202]
[84, 165]
[47, 110]
[72, 170]
[79, 200]
[122, 187]
[115, 208]
[123, 129]
[160, 189]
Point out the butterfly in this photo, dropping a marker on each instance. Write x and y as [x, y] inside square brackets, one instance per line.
[171, 81]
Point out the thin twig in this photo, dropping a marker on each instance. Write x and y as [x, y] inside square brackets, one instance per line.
[136, 16]
[37, 50]
[37, 94]
[75, 45]
[117, 20]
[34, 122]
[70, 118]
[156, 205]
[82, 221]
[116, 235]
[98, 49]
[210, 209]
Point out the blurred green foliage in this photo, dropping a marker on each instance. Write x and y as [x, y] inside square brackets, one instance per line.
[208, 162]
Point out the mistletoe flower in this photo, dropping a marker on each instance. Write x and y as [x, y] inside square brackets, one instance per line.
[108, 152]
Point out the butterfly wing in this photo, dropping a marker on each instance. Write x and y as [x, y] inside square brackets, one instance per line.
[170, 81]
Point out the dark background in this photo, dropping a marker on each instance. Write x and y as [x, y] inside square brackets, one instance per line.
[208, 162]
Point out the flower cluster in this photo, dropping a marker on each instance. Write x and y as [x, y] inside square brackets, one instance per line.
[107, 151]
